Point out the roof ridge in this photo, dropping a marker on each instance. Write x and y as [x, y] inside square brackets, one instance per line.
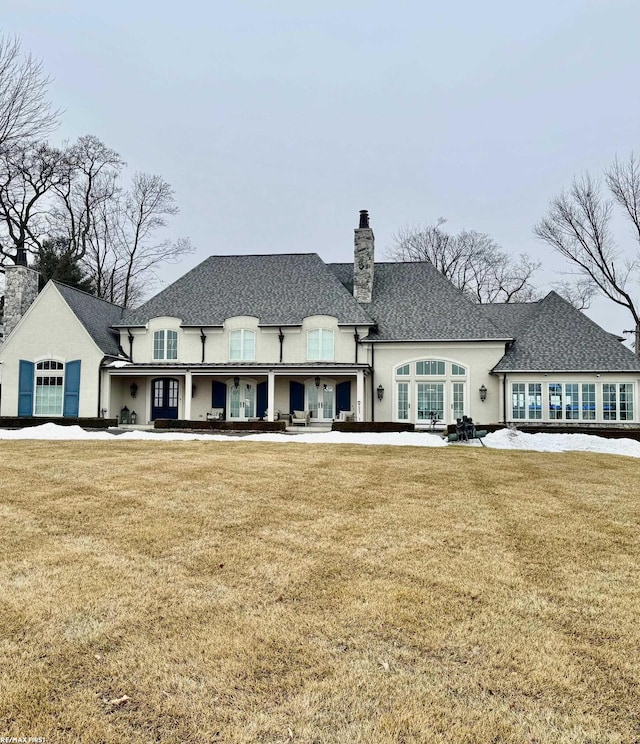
[87, 294]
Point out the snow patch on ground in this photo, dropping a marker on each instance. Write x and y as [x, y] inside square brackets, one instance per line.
[502, 439]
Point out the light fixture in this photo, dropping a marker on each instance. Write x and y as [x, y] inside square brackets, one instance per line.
[317, 381]
[236, 382]
[483, 393]
[133, 419]
[124, 415]
[380, 392]
[133, 389]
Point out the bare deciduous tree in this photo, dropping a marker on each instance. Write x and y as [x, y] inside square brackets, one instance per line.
[125, 245]
[472, 261]
[579, 226]
[25, 112]
[28, 173]
[93, 170]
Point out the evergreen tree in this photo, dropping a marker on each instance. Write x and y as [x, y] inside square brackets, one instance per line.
[55, 260]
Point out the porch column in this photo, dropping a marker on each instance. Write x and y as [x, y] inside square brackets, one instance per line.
[271, 391]
[188, 386]
[360, 395]
[105, 403]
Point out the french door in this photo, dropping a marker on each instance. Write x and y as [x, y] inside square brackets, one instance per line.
[420, 402]
[320, 399]
[241, 400]
[164, 403]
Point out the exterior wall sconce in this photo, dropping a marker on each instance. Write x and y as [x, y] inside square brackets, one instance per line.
[236, 382]
[380, 392]
[133, 419]
[317, 381]
[133, 389]
[124, 415]
[483, 393]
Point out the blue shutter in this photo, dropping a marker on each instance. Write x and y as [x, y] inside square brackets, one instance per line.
[25, 388]
[219, 396]
[343, 396]
[296, 396]
[261, 399]
[71, 388]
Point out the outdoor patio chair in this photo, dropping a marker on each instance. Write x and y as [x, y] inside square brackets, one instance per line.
[300, 418]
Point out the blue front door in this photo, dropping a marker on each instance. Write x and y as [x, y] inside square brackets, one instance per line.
[165, 398]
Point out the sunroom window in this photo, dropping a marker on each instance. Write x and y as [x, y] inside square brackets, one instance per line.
[320, 345]
[242, 345]
[165, 345]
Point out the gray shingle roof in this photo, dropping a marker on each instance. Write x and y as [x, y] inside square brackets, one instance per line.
[414, 301]
[96, 316]
[551, 335]
[279, 289]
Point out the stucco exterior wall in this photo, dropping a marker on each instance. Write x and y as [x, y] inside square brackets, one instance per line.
[478, 359]
[49, 330]
[267, 346]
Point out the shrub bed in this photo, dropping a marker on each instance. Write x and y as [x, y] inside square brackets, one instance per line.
[20, 422]
[221, 425]
[371, 426]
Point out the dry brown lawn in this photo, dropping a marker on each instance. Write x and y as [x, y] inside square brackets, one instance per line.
[244, 592]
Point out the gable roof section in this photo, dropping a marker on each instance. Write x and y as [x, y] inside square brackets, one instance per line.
[96, 316]
[553, 336]
[280, 289]
[413, 301]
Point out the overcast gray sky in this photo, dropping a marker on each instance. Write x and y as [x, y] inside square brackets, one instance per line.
[275, 122]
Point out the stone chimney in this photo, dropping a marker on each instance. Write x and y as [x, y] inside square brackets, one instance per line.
[363, 258]
[21, 289]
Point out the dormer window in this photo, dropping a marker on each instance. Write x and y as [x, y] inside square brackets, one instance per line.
[320, 345]
[242, 345]
[165, 345]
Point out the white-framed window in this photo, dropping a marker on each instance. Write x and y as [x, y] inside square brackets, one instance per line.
[320, 345]
[165, 345]
[572, 401]
[49, 388]
[442, 396]
[430, 367]
[242, 345]
[617, 401]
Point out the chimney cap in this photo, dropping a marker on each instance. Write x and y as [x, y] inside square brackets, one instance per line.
[364, 218]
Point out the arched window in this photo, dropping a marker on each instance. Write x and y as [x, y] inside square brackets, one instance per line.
[430, 389]
[165, 345]
[320, 345]
[49, 388]
[242, 345]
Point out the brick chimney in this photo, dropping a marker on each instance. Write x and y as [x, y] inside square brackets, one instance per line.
[363, 258]
[21, 289]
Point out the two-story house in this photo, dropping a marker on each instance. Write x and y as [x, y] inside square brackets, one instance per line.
[258, 336]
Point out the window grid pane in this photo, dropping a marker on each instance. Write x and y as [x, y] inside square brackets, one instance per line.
[518, 410]
[555, 400]
[172, 344]
[588, 401]
[458, 400]
[158, 345]
[403, 401]
[430, 401]
[456, 369]
[429, 367]
[609, 402]
[534, 400]
[626, 401]
[571, 403]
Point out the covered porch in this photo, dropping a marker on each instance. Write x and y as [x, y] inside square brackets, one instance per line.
[140, 394]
